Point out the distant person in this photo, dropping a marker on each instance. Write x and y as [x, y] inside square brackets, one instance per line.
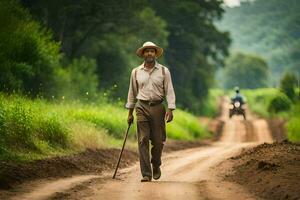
[150, 83]
[238, 96]
[237, 102]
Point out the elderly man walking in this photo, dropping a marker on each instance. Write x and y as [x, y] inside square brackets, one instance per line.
[150, 84]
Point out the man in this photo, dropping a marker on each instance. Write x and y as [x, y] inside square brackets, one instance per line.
[149, 84]
[237, 104]
[238, 97]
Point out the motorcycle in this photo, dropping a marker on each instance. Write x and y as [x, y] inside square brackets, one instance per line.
[236, 108]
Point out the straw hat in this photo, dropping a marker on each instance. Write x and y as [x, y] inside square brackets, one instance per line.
[159, 50]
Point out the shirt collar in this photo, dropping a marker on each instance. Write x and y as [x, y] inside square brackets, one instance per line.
[156, 65]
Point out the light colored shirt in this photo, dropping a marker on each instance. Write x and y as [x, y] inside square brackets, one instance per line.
[150, 86]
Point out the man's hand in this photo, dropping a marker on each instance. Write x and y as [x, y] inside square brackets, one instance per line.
[169, 115]
[130, 117]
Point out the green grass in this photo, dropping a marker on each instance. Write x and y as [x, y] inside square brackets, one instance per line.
[186, 127]
[293, 124]
[259, 100]
[34, 129]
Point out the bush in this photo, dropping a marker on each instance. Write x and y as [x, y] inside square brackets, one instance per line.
[26, 126]
[259, 100]
[28, 54]
[288, 84]
[51, 130]
[279, 103]
[293, 124]
[293, 127]
[18, 126]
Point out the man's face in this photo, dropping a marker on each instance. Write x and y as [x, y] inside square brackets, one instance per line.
[149, 55]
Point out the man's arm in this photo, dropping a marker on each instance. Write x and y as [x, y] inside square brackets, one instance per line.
[131, 99]
[170, 96]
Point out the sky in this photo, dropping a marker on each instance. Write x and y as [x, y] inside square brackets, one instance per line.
[232, 3]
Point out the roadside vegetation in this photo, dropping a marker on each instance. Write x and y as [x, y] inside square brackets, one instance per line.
[281, 103]
[210, 107]
[33, 129]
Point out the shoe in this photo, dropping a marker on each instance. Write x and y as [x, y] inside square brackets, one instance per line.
[156, 173]
[146, 179]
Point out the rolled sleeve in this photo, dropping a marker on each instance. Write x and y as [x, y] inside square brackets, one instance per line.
[169, 90]
[132, 92]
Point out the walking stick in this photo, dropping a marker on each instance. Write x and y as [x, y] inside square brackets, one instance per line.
[120, 155]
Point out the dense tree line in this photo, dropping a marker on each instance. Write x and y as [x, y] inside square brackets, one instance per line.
[94, 42]
[245, 71]
[269, 28]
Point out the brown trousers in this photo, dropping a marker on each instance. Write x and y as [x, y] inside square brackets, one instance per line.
[150, 126]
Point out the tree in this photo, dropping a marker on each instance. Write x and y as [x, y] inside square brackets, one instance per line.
[195, 47]
[268, 28]
[245, 71]
[28, 55]
[107, 31]
[111, 31]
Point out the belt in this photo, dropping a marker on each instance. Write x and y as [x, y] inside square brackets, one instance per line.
[151, 103]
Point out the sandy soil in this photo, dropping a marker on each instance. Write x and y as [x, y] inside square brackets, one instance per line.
[196, 173]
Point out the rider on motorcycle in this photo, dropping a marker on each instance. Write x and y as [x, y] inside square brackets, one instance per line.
[238, 97]
[237, 103]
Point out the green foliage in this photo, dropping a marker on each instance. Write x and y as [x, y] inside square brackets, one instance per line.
[293, 124]
[27, 127]
[293, 127]
[110, 117]
[210, 106]
[18, 126]
[110, 31]
[28, 55]
[51, 129]
[195, 47]
[34, 129]
[78, 79]
[279, 103]
[288, 84]
[158, 33]
[98, 40]
[259, 100]
[245, 71]
[106, 31]
[185, 127]
[268, 28]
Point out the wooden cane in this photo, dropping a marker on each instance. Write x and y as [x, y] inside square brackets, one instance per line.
[120, 155]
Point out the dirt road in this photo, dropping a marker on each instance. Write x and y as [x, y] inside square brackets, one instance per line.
[187, 174]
